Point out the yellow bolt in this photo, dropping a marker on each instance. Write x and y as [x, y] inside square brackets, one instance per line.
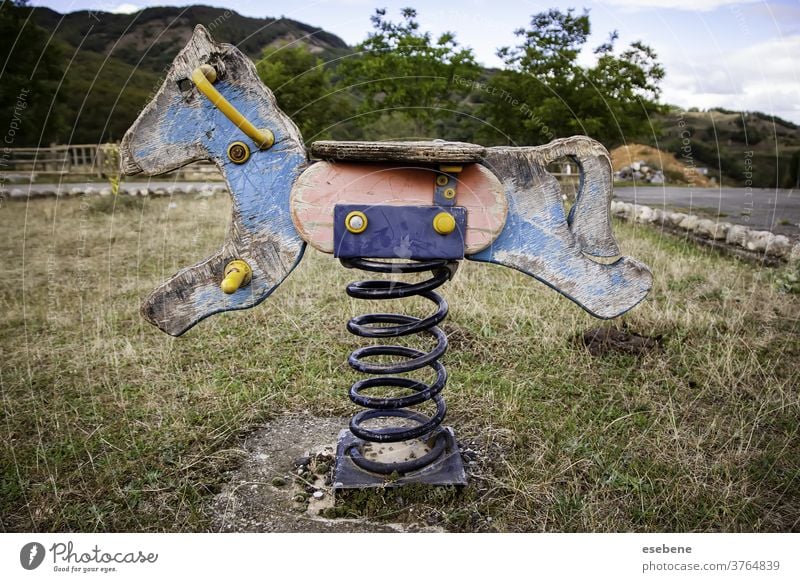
[356, 222]
[237, 275]
[449, 193]
[444, 223]
[442, 180]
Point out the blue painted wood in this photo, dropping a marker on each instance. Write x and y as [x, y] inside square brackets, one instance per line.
[180, 126]
[538, 240]
[438, 192]
[400, 232]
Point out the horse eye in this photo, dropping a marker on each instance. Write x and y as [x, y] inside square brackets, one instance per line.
[184, 85]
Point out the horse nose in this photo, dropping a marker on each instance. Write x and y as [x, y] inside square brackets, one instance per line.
[127, 163]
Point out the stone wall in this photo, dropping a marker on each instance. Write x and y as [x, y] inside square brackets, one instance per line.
[735, 236]
[129, 189]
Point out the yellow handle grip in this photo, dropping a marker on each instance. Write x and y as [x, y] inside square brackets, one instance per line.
[203, 77]
[237, 275]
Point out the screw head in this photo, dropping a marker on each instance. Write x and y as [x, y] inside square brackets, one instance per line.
[449, 193]
[442, 180]
[238, 152]
[356, 222]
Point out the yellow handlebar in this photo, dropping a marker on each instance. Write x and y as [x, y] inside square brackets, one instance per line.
[203, 77]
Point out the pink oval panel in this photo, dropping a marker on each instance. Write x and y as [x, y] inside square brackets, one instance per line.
[325, 184]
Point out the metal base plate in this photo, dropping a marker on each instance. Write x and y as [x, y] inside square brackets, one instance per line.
[448, 469]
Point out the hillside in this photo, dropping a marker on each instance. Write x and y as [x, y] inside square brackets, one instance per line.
[738, 146]
[152, 37]
[116, 60]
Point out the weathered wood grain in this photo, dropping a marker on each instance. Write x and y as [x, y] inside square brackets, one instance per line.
[540, 241]
[325, 184]
[181, 126]
[421, 152]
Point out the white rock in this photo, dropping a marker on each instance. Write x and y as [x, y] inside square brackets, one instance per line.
[90, 191]
[105, 191]
[644, 214]
[675, 218]
[18, 193]
[318, 495]
[737, 235]
[689, 223]
[635, 166]
[721, 231]
[628, 211]
[758, 240]
[780, 246]
[705, 227]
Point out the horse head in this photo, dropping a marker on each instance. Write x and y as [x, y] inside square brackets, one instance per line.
[212, 106]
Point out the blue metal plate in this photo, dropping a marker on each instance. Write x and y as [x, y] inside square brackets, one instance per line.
[399, 232]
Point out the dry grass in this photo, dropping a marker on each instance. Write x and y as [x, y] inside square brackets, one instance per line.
[108, 424]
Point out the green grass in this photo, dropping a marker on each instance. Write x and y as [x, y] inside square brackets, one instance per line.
[108, 424]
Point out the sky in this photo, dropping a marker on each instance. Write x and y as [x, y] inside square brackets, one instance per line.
[737, 54]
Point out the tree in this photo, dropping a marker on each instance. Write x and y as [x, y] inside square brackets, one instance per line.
[303, 88]
[402, 74]
[30, 78]
[545, 93]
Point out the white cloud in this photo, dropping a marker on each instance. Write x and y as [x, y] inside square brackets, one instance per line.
[763, 77]
[693, 5]
[125, 9]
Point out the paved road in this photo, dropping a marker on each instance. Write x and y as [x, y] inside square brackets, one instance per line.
[761, 209]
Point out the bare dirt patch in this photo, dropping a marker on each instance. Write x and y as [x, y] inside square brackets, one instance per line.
[283, 482]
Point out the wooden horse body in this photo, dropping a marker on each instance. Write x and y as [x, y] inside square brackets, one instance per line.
[212, 106]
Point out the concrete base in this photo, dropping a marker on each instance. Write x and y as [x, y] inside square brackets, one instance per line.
[448, 469]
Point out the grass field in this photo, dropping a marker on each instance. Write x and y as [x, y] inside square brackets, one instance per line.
[108, 424]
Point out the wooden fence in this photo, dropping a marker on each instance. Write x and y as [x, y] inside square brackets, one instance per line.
[90, 160]
[102, 161]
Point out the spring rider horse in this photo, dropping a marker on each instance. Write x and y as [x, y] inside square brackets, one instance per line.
[422, 205]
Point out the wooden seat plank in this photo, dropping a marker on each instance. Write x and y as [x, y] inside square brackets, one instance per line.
[420, 152]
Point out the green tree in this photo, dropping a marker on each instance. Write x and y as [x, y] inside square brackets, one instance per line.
[30, 78]
[302, 85]
[406, 79]
[545, 93]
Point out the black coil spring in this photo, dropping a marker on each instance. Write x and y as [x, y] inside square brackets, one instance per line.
[383, 325]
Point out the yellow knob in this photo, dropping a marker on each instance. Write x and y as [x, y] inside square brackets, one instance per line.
[209, 72]
[237, 275]
[444, 223]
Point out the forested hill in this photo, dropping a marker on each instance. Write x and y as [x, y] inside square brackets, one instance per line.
[151, 38]
[116, 61]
